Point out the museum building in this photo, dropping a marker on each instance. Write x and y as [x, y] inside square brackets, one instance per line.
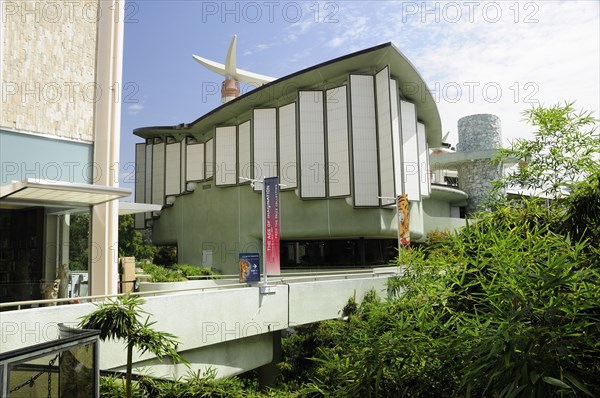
[345, 137]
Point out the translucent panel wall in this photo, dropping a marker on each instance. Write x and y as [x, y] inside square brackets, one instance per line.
[396, 139]
[410, 151]
[337, 142]
[384, 127]
[140, 181]
[287, 146]
[244, 161]
[173, 169]
[364, 141]
[312, 144]
[194, 162]
[264, 140]
[423, 160]
[209, 159]
[158, 173]
[226, 155]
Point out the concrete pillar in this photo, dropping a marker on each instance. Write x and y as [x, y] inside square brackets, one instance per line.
[127, 274]
[267, 374]
[478, 133]
[104, 272]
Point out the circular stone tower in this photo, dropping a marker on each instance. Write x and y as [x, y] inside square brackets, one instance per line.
[479, 138]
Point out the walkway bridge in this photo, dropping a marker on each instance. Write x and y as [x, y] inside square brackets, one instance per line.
[231, 328]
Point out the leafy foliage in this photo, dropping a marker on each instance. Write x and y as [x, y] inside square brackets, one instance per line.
[582, 211]
[132, 242]
[564, 150]
[79, 242]
[191, 270]
[194, 385]
[177, 273]
[159, 273]
[506, 307]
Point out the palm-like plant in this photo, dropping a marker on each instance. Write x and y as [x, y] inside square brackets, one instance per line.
[118, 319]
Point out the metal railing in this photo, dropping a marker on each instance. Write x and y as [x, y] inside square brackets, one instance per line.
[288, 277]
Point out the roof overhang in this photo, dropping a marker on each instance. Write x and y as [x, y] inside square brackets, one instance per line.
[323, 76]
[33, 192]
[136, 208]
[452, 160]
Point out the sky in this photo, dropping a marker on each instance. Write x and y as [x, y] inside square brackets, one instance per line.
[499, 57]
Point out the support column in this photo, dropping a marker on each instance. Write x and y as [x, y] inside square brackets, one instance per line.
[107, 120]
[267, 374]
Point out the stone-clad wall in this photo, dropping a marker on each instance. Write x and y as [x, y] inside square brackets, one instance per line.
[478, 133]
[475, 178]
[48, 67]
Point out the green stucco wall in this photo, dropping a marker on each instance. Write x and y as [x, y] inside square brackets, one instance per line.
[227, 221]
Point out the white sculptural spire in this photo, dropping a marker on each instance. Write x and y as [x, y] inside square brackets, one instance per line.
[230, 88]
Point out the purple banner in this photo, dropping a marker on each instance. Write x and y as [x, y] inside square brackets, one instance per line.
[271, 225]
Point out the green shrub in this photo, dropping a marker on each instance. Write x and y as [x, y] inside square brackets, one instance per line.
[206, 385]
[191, 270]
[506, 307]
[159, 273]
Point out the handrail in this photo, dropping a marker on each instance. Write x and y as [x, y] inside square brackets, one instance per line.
[105, 296]
[283, 278]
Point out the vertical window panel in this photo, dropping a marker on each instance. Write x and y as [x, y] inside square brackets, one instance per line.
[194, 162]
[364, 141]
[158, 173]
[140, 182]
[287, 146]
[264, 144]
[384, 128]
[312, 144]
[410, 151]
[226, 155]
[338, 162]
[209, 158]
[173, 169]
[244, 161]
[396, 139]
[423, 159]
[148, 172]
[183, 163]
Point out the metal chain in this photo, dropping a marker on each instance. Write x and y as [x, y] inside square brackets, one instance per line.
[50, 382]
[32, 380]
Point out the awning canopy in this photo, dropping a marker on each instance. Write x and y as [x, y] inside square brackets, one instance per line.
[59, 193]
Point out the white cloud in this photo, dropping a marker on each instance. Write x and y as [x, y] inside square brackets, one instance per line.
[503, 57]
[134, 109]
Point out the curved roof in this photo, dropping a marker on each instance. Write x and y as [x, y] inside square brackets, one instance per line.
[326, 75]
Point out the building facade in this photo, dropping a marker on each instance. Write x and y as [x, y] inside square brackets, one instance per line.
[59, 140]
[345, 137]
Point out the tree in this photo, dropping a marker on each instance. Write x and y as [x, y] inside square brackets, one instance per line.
[565, 149]
[132, 242]
[79, 242]
[118, 319]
